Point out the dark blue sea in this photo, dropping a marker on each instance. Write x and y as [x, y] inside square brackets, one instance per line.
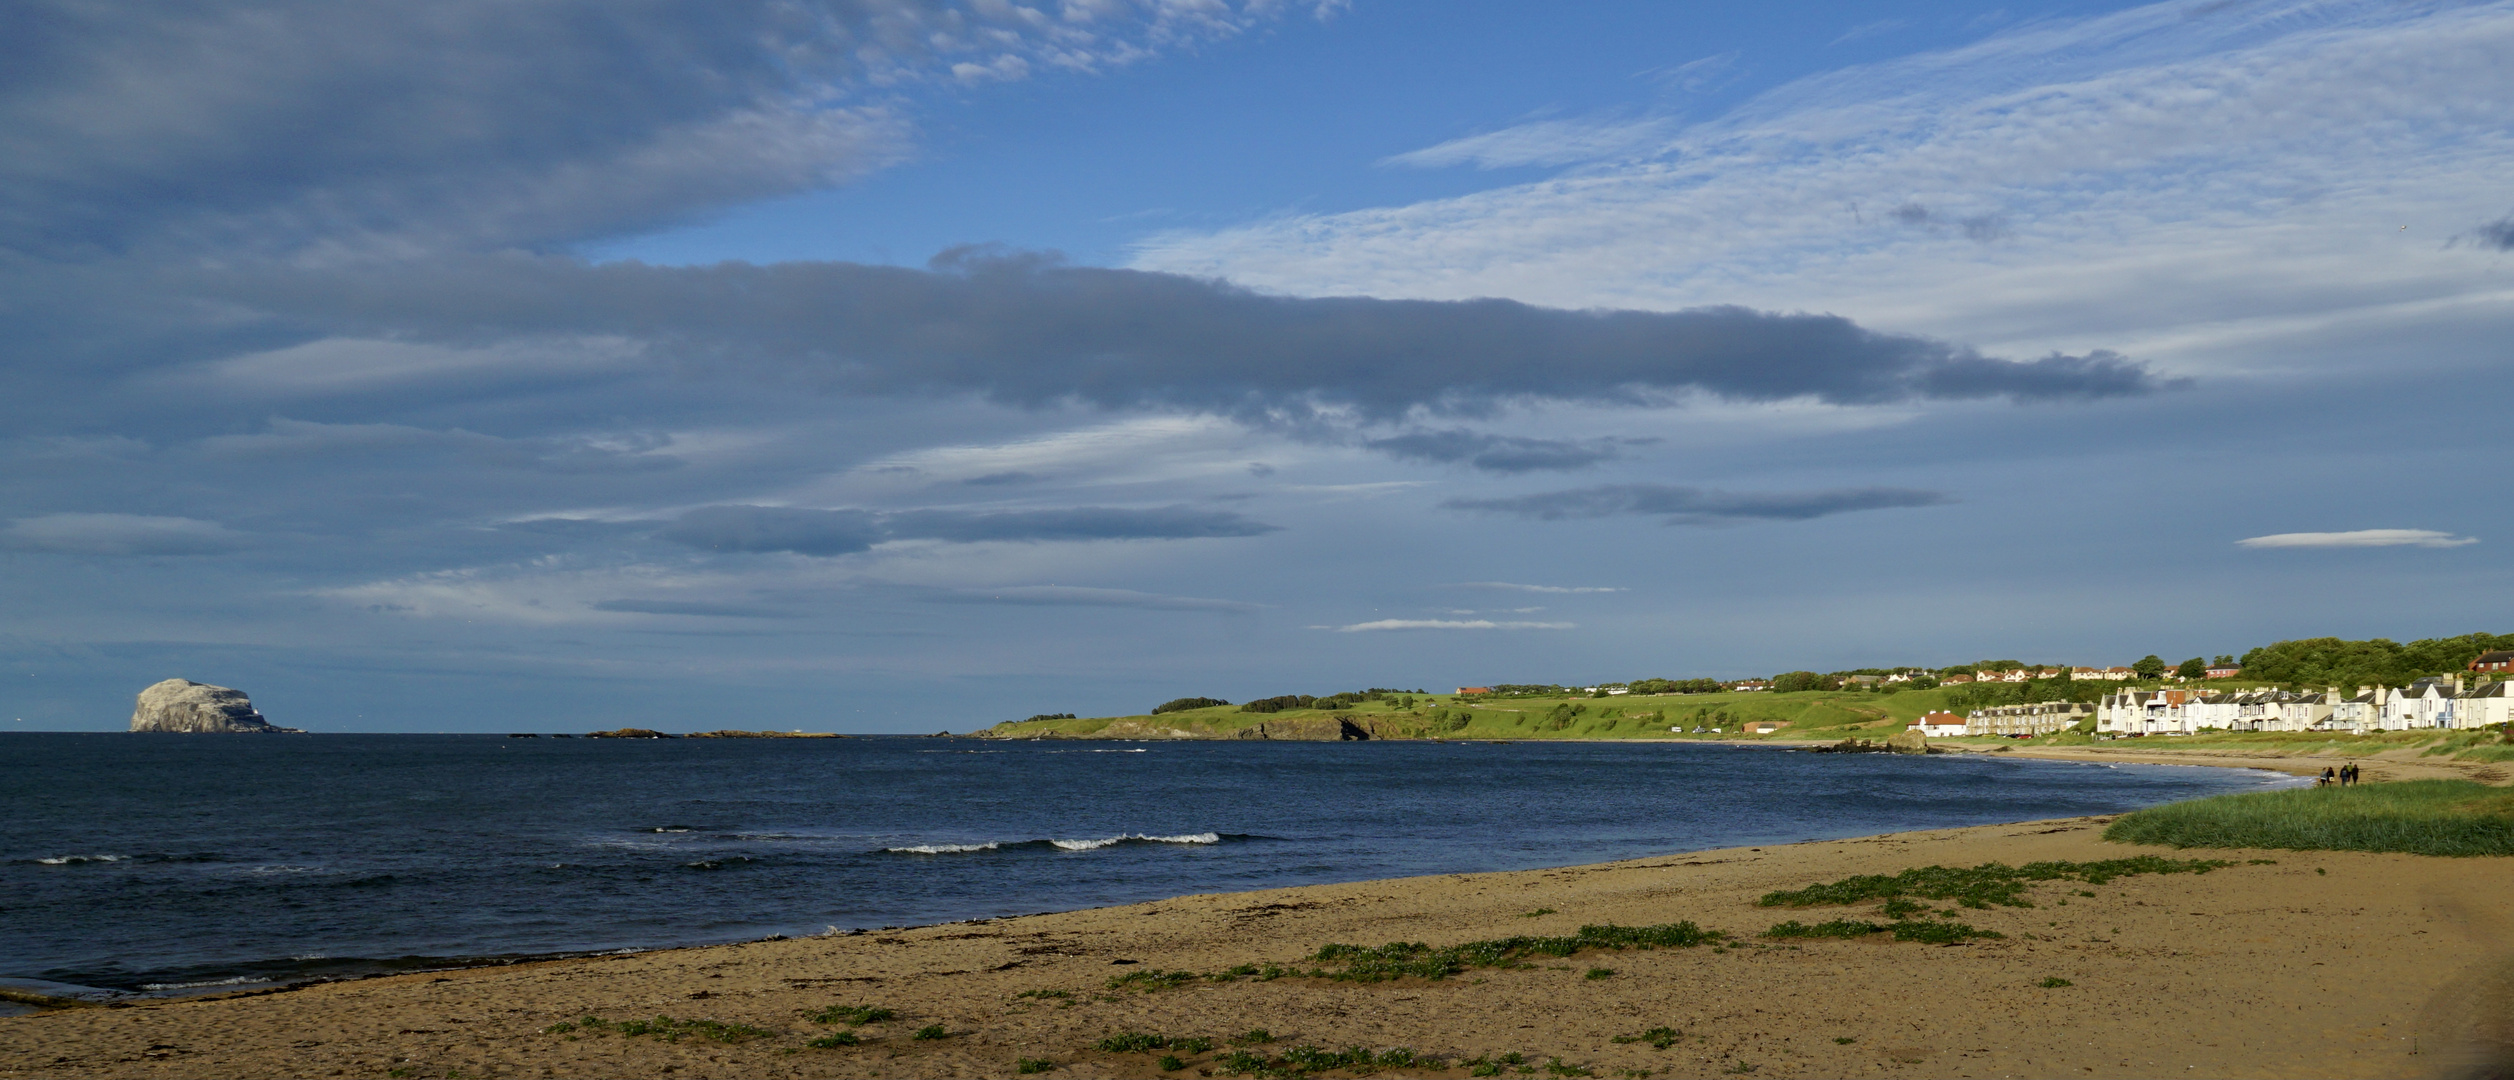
[159, 863]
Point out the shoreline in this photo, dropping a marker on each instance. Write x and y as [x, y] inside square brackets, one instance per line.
[2341, 962]
[2153, 983]
[36, 992]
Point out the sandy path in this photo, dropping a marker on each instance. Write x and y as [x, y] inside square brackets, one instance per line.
[2324, 964]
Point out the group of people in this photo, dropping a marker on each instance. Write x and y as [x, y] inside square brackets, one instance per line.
[2342, 776]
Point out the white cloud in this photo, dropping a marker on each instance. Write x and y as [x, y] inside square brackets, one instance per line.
[2360, 538]
[1445, 624]
[1545, 142]
[2219, 188]
[1515, 587]
[120, 534]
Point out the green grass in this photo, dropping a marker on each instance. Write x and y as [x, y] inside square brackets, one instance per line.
[836, 1039]
[1399, 959]
[667, 1029]
[1816, 714]
[2419, 817]
[1660, 1037]
[931, 1031]
[1026, 1066]
[850, 1014]
[1980, 886]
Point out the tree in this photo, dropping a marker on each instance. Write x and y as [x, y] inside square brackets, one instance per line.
[1186, 703]
[2194, 668]
[2149, 667]
[2224, 660]
[1799, 680]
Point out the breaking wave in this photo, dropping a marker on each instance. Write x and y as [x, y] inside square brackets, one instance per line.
[1071, 845]
[74, 860]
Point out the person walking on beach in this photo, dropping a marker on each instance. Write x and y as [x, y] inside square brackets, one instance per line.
[2327, 777]
[2348, 774]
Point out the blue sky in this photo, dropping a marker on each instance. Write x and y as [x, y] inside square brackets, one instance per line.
[902, 365]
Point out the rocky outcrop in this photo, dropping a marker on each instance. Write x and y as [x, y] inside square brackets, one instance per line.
[629, 733]
[197, 708]
[730, 733]
[1908, 741]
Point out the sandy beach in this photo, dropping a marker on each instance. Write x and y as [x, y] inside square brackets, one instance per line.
[2308, 964]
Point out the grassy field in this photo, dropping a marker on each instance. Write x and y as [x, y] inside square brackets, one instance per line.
[2421, 817]
[1815, 714]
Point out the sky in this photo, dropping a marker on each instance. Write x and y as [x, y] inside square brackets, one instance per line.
[915, 365]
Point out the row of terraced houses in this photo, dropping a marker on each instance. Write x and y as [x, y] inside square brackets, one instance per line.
[2455, 702]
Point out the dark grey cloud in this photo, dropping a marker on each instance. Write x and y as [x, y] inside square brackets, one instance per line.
[697, 608]
[1499, 453]
[1026, 330]
[2498, 234]
[776, 528]
[1003, 479]
[1082, 596]
[1077, 523]
[1981, 227]
[844, 532]
[1697, 506]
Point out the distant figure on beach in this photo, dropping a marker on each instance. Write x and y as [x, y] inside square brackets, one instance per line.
[2348, 774]
[2327, 778]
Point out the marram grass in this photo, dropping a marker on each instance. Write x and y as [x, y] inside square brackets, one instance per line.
[2419, 817]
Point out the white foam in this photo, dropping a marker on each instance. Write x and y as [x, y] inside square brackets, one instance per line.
[941, 849]
[71, 860]
[240, 980]
[1088, 845]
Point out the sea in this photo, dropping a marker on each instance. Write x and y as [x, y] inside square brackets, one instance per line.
[153, 864]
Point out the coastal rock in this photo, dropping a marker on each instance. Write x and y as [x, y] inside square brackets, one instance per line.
[1908, 741]
[629, 733]
[731, 733]
[195, 708]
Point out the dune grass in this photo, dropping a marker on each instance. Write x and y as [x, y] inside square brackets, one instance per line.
[2419, 817]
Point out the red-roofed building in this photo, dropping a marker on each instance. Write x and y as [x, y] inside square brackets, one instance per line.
[2500, 660]
[1940, 725]
[1475, 689]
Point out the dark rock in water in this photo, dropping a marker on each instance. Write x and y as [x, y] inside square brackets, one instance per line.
[190, 707]
[730, 733]
[1852, 746]
[629, 733]
[1908, 741]
[524, 735]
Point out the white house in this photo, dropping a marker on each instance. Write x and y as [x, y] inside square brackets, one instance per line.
[2041, 718]
[1940, 725]
[2427, 703]
[2485, 706]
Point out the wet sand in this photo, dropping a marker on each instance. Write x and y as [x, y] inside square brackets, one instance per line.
[2321, 964]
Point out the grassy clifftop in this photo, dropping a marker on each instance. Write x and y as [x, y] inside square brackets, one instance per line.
[1814, 714]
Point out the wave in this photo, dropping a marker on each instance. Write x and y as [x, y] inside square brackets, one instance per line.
[74, 860]
[240, 980]
[1071, 845]
[1089, 845]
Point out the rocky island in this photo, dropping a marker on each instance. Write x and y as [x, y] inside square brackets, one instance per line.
[194, 708]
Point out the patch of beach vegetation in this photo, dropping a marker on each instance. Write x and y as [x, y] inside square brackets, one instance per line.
[666, 1028]
[2418, 817]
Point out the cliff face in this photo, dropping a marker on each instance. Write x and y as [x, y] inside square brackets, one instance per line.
[186, 706]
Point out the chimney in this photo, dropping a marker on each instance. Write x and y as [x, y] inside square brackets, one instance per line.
[2461, 683]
